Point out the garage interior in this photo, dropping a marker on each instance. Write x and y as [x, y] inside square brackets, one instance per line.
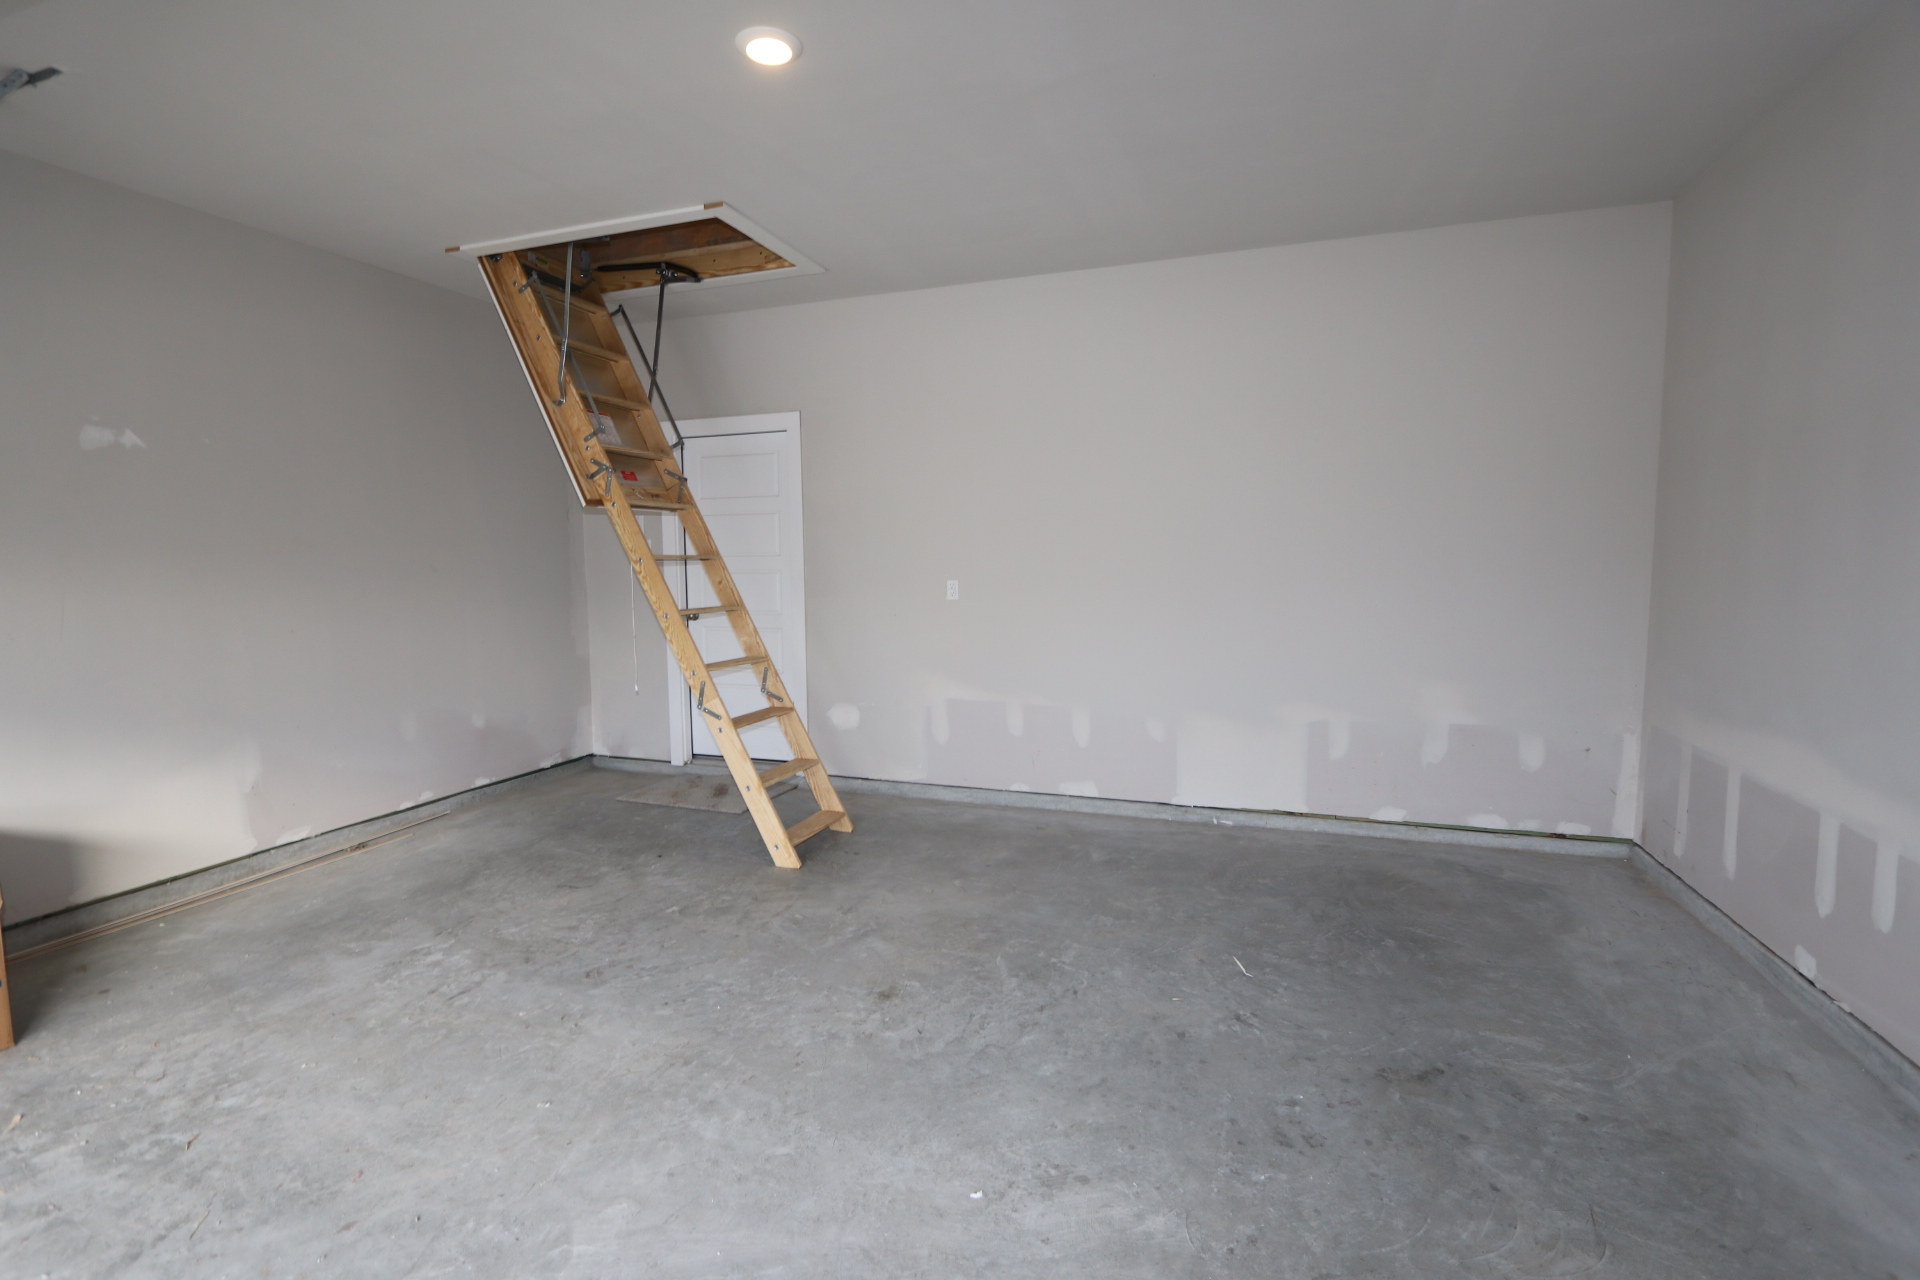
[1336, 701]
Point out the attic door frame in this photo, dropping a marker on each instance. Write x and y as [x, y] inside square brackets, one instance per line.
[719, 210]
[679, 697]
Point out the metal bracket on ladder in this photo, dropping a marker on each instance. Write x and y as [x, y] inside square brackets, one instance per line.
[578, 354]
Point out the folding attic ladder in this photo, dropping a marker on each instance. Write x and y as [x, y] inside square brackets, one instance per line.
[602, 417]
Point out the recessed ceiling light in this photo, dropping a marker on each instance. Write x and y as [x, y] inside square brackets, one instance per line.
[768, 46]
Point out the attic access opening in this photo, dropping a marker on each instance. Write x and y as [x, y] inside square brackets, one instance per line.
[689, 252]
[552, 292]
[694, 248]
[581, 278]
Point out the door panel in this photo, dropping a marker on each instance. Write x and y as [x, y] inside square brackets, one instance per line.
[747, 485]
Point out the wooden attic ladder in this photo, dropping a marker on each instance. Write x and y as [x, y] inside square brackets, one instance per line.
[585, 381]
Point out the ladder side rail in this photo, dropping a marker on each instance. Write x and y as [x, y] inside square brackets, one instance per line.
[581, 302]
[580, 444]
[632, 389]
[708, 701]
[534, 336]
[799, 740]
[654, 438]
[507, 283]
[647, 433]
[727, 592]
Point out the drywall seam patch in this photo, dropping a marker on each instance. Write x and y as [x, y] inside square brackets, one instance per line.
[1826, 868]
[1686, 799]
[1881, 1059]
[1803, 961]
[1730, 839]
[1886, 878]
[1796, 771]
[1626, 794]
[1321, 824]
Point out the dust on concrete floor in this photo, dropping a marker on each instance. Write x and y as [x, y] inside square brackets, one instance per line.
[553, 1034]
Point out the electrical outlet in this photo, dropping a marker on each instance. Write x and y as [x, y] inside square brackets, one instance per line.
[953, 588]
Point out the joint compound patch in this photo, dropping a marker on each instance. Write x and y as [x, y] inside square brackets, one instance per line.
[1826, 867]
[1730, 827]
[95, 436]
[1886, 872]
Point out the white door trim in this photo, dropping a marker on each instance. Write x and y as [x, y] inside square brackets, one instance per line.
[679, 697]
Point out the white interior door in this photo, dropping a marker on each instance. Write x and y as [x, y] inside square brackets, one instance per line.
[745, 474]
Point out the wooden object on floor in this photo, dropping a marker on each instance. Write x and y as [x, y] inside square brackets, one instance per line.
[584, 404]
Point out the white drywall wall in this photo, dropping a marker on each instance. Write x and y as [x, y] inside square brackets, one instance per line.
[283, 544]
[1783, 770]
[1359, 527]
[627, 654]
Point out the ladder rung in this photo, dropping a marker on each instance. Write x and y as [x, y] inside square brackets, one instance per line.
[651, 499]
[814, 825]
[787, 770]
[628, 451]
[632, 405]
[598, 353]
[695, 610]
[724, 663]
[756, 717]
[677, 557]
[578, 301]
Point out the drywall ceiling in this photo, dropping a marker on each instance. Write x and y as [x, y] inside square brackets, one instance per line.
[912, 144]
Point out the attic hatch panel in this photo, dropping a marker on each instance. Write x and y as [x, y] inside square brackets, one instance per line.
[716, 244]
[710, 249]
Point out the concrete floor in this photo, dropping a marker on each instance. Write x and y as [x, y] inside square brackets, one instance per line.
[556, 1034]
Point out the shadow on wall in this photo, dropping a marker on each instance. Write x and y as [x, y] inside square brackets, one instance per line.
[36, 871]
[1817, 888]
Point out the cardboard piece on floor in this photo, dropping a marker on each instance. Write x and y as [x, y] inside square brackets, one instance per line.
[693, 791]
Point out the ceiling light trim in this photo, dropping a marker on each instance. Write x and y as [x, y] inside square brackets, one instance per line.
[746, 39]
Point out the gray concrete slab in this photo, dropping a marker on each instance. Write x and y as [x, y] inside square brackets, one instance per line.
[551, 1034]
